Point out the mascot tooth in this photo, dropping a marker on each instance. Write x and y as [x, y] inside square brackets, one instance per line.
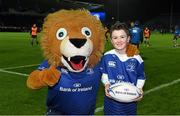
[73, 43]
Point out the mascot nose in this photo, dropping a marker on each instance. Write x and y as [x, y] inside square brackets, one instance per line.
[78, 42]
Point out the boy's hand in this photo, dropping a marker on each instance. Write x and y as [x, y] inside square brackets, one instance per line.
[140, 98]
[106, 90]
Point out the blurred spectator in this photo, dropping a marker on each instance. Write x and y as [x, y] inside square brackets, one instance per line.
[33, 34]
[147, 34]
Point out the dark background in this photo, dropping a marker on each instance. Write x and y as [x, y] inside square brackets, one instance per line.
[141, 9]
[155, 13]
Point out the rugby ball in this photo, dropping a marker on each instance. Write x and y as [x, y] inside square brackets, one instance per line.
[124, 92]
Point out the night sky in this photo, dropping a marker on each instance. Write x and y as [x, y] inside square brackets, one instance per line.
[122, 10]
[140, 9]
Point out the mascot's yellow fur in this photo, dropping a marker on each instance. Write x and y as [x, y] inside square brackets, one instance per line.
[73, 42]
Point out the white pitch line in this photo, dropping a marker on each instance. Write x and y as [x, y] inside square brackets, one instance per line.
[20, 66]
[99, 109]
[162, 86]
[148, 91]
[11, 72]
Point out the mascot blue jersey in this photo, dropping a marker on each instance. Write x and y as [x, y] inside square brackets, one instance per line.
[136, 35]
[75, 93]
[120, 68]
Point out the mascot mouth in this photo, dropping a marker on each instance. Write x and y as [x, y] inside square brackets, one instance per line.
[76, 62]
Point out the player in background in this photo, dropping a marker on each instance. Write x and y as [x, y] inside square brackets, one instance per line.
[147, 34]
[33, 34]
[116, 67]
[136, 34]
[176, 36]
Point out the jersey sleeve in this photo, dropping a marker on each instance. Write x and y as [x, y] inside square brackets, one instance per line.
[140, 71]
[140, 75]
[103, 69]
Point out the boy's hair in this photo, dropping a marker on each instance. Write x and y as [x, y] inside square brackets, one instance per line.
[119, 26]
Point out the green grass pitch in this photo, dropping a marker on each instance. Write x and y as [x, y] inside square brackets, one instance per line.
[18, 58]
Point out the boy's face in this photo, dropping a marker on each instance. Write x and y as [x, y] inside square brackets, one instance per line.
[120, 39]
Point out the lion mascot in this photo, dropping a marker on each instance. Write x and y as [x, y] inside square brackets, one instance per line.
[73, 43]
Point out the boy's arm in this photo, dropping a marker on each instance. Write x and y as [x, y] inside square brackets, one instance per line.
[106, 83]
[140, 83]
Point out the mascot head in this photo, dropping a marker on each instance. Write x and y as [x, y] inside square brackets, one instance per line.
[73, 38]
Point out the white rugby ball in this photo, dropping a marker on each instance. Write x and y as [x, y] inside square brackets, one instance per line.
[124, 92]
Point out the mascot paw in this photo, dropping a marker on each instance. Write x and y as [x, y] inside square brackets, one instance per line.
[132, 50]
[51, 76]
[47, 77]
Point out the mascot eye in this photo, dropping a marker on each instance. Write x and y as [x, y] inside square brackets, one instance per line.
[61, 33]
[86, 31]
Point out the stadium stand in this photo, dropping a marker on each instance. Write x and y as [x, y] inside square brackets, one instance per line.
[19, 15]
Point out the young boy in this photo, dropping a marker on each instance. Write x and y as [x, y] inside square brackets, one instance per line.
[118, 67]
